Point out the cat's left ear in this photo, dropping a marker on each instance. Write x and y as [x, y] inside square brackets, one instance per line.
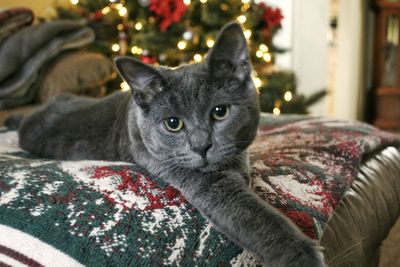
[229, 55]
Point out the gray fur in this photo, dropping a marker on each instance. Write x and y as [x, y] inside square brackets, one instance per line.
[206, 161]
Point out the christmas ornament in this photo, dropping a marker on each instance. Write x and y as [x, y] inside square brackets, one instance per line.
[123, 43]
[144, 2]
[272, 16]
[272, 19]
[162, 57]
[187, 35]
[148, 60]
[96, 16]
[168, 11]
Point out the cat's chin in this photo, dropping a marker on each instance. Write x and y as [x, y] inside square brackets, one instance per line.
[204, 165]
[196, 164]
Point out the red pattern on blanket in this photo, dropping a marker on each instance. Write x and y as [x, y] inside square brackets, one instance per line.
[304, 168]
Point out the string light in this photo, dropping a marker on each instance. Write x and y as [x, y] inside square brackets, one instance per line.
[245, 7]
[263, 53]
[267, 57]
[241, 19]
[276, 111]
[124, 86]
[115, 47]
[138, 26]
[186, 2]
[288, 96]
[264, 48]
[224, 7]
[120, 27]
[74, 2]
[245, 1]
[136, 50]
[182, 45]
[198, 58]
[187, 35]
[152, 20]
[123, 11]
[203, 1]
[105, 10]
[257, 82]
[210, 43]
[247, 34]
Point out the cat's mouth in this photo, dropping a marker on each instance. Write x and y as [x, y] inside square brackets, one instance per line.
[206, 164]
[197, 163]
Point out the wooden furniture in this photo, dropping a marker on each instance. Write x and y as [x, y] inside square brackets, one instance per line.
[386, 93]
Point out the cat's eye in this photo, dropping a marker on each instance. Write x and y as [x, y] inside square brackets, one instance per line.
[173, 124]
[220, 112]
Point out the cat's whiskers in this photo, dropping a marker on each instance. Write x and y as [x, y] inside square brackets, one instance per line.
[169, 160]
[176, 159]
[165, 171]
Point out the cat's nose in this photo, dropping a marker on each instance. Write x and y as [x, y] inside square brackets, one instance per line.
[200, 141]
[202, 149]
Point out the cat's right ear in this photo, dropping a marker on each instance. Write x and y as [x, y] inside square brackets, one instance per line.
[144, 80]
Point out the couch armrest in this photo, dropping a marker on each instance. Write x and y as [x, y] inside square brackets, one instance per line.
[367, 212]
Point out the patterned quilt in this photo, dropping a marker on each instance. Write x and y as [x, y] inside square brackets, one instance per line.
[96, 213]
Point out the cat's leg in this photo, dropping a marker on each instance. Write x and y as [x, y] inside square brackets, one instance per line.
[36, 133]
[225, 200]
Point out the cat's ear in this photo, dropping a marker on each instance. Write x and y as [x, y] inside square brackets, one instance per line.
[229, 55]
[144, 80]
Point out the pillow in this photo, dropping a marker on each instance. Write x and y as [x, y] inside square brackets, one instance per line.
[77, 73]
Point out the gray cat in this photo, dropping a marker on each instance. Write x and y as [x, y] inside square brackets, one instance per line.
[189, 126]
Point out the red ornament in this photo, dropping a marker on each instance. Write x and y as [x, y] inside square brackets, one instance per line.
[148, 60]
[168, 11]
[81, 11]
[96, 16]
[272, 19]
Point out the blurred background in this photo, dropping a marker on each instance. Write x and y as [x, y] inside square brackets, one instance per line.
[337, 58]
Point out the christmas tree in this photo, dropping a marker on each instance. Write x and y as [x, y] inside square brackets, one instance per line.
[172, 32]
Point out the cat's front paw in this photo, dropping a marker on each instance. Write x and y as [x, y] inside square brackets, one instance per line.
[298, 254]
[310, 256]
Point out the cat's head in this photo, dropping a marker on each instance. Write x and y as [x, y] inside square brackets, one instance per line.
[199, 115]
